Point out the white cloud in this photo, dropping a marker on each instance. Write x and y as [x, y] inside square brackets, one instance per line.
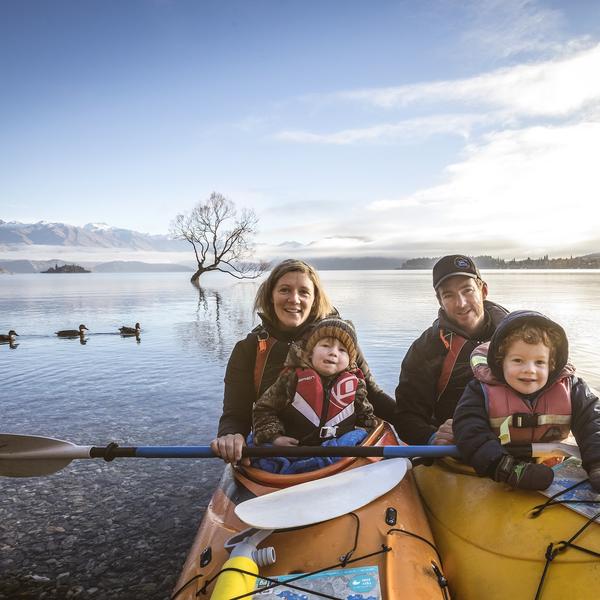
[534, 188]
[520, 192]
[386, 204]
[409, 130]
[339, 243]
[551, 88]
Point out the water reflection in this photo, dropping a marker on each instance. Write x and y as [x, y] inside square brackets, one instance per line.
[156, 387]
[216, 323]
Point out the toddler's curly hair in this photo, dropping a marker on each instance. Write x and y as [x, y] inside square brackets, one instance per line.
[530, 334]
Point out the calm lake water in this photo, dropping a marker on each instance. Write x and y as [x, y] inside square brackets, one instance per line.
[167, 389]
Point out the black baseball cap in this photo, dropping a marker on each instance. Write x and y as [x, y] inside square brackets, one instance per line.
[454, 264]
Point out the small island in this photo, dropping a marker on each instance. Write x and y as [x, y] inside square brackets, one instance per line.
[67, 269]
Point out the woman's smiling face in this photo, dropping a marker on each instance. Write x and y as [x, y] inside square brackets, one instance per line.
[293, 297]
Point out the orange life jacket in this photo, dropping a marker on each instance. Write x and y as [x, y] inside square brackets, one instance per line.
[547, 419]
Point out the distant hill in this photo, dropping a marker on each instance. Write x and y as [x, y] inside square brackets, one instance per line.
[131, 266]
[364, 263]
[93, 235]
[38, 266]
[589, 261]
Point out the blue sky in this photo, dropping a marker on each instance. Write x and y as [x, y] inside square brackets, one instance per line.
[351, 128]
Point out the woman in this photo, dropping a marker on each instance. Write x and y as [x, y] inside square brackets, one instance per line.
[289, 302]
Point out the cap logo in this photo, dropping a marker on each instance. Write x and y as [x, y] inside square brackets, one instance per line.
[462, 263]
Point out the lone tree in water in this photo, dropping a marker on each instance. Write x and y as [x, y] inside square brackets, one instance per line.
[221, 240]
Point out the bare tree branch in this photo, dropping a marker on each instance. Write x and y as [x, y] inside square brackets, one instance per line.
[219, 237]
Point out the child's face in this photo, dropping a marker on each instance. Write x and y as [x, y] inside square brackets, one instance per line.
[526, 366]
[329, 357]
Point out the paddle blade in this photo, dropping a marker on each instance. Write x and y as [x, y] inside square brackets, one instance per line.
[34, 456]
[323, 499]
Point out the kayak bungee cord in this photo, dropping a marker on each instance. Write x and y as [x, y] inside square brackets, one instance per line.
[437, 570]
[346, 557]
[275, 583]
[554, 549]
[345, 560]
[536, 511]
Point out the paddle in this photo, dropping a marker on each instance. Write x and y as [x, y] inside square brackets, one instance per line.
[323, 499]
[32, 456]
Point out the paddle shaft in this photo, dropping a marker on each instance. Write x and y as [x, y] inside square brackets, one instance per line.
[109, 452]
[113, 451]
[34, 456]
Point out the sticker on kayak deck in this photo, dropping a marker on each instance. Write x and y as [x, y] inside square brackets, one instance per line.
[566, 474]
[361, 583]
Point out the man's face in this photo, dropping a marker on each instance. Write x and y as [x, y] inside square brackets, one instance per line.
[462, 301]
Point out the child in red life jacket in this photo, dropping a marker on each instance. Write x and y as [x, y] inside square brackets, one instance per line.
[321, 394]
[525, 391]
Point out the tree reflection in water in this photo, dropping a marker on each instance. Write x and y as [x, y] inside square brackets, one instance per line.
[222, 318]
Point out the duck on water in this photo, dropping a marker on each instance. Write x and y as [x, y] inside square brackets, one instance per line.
[72, 332]
[10, 337]
[130, 330]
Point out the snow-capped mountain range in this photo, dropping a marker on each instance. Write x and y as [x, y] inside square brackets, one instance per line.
[93, 235]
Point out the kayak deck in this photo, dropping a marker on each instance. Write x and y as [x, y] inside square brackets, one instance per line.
[493, 548]
[390, 533]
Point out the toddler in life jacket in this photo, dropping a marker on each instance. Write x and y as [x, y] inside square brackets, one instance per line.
[320, 394]
[525, 391]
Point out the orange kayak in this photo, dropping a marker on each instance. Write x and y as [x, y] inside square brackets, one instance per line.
[383, 550]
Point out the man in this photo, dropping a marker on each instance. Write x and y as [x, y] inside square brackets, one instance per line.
[436, 367]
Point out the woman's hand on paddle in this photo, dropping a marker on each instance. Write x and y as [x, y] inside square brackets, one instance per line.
[229, 448]
[444, 435]
[284, 440]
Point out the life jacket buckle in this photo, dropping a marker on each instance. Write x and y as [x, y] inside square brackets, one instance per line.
[328, 431]
[262, 336]
[524, 420]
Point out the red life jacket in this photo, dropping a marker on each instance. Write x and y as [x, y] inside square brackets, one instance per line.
[547, 419]
[317, 413]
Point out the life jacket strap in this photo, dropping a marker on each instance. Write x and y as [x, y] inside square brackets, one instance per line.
[454, 343]
[264, 344]
[529, 420]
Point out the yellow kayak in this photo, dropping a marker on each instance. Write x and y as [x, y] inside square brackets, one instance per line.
[492, 548]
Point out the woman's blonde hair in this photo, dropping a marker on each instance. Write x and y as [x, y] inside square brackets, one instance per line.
[263, 302]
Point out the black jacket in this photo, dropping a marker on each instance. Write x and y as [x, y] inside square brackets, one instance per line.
[240, 396]
[418, 411]
[479, 445]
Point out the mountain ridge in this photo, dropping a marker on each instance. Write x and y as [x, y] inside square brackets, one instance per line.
[114, 266]
[91, 235]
